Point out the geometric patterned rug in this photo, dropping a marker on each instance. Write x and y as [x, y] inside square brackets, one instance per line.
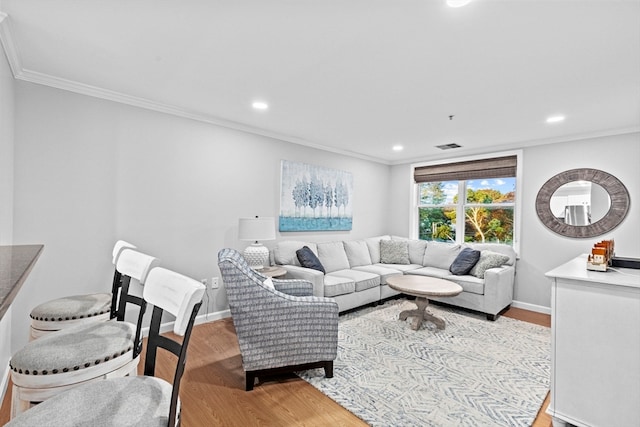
[473, 373]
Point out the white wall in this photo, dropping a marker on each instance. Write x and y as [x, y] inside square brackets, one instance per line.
[89, 172]
[6, 200]
[6, 150]
[541, 249]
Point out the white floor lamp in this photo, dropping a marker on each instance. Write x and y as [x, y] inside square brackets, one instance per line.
[255, 230]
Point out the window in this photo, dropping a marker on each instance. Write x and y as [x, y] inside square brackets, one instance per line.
[471, 201]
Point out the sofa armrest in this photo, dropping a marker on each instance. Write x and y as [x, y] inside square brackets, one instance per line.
[498, 288]
[295, 287]
[309, 274]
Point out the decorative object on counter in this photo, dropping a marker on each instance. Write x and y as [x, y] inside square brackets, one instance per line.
[600, 257]
[256, 229]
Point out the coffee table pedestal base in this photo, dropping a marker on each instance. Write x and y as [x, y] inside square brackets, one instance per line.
[421, 314]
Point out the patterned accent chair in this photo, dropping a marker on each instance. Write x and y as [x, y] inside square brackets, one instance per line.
[280, 329]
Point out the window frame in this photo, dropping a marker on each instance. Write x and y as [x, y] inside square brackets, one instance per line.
[460, 209]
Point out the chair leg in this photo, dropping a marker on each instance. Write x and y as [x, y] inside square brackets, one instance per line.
[328, 369]
[249, 380]
[18, 405]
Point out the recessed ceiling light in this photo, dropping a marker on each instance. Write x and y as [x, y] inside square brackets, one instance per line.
[259, 105]
[555, 119]
[458, 3]
[398, 148]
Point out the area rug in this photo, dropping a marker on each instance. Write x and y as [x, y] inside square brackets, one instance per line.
[473, 373]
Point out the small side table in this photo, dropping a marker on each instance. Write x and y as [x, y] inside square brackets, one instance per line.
[272, 271]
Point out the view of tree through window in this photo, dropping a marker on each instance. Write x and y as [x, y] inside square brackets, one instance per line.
[487, 206]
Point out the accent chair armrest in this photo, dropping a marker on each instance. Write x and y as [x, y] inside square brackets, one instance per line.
[294, 287]
[309, 274]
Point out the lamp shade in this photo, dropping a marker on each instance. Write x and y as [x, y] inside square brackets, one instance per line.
[256, 229]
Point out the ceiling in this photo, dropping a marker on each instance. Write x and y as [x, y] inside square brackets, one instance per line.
[350, 76]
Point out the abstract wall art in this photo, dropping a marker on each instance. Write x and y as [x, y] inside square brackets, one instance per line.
[315, 198]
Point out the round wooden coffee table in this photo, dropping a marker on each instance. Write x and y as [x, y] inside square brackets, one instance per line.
[423, 287]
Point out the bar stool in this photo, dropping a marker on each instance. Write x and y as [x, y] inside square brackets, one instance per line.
[65, 312]
[85, 353]
[135, 400]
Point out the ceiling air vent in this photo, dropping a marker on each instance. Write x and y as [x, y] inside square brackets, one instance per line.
[448, 146]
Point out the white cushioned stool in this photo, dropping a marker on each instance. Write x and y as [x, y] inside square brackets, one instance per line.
[69, 311]
[83, 353]
[134, 400]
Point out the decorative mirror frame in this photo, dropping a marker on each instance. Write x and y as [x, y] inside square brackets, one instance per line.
[614, 187]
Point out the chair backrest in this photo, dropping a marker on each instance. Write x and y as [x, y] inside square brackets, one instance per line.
[117, 277]
[243, 285]
[235, 269]
[181, 296]
[133, 265]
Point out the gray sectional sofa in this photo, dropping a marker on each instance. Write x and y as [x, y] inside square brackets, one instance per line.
[356, 271]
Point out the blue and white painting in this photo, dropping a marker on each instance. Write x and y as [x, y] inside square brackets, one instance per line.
[314, 198]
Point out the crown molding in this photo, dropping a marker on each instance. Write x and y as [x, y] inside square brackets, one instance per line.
[20, 73]
[98, 92]
[10, 49]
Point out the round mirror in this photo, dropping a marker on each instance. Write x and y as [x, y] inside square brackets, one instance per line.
[582, 203]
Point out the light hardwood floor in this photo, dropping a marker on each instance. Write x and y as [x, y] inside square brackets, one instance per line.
[212, 390]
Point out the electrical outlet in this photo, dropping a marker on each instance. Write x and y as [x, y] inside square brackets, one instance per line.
[214, 283]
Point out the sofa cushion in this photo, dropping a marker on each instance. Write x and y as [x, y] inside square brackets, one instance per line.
[440, 273]
[416, 249]
[308, 259]
[464, 262]
[335, 285]
[362, 279]
[440, 255]
[380, 270]
[400, 267]
[488, 259]
[332, 256]
[394, 252]
[374, 247]
[284, 253]
[357, 253]
[495, 247]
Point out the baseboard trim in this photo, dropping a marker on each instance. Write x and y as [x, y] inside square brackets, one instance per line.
[5, 383]
[202, 318]
[531, 307]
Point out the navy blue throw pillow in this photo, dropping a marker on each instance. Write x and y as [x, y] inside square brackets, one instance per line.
[464, 262]
[308, 259]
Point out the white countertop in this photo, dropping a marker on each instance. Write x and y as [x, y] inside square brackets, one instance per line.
[576, 269]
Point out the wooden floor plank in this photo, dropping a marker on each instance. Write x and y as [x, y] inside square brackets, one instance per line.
[212, 390]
